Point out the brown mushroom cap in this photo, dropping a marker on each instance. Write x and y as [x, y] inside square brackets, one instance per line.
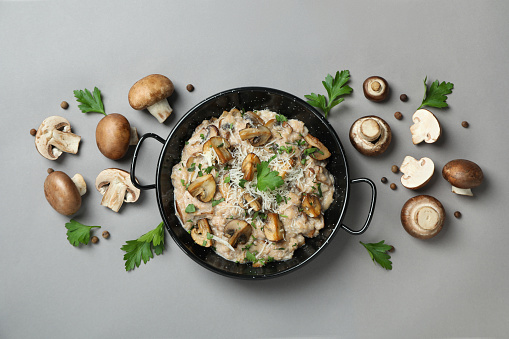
[257, 136]
[149, 90]
[237, 232]
[375, 88]
[61, 193]
[463, 173]
[322, 152]
[423, 216]
[203, 188]
[366, 144]
[112, 135]
[273, 228]
[199, 233]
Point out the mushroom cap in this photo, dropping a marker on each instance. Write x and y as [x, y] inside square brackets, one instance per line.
[314, 142]
[220, 146]
[423, 216]
[61, 193]
[112, 135]
[375, 88]
[425, 128]
[149, 90]
[110, 175]
[203, 188]
[257, 136]
[365, 146]
[416, 173]
[463, 173]
[238, 232]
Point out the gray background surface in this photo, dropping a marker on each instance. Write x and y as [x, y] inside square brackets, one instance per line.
[454, 285]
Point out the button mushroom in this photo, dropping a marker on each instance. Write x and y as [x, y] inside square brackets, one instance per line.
[200, 233]
[63, 193]
[425, 128]
[249, 166]
[375, 88]
[203, 188]
[151, 92]
[54, 137]
[311, 205]
[237, 232]
[257, 136]
[370, 135]
[273, 228]
[463, 176]
[416, 173]
[220, 147]
[423, 216]
[116, 187]
[321, 152]
[113, 136]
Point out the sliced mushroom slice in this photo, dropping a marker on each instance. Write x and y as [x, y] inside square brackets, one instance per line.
[425, 128]
[203, 188]
[54, 137]
[321, 152]
[254, 118]
[416, 173]
[249, 166]
[257, 136]
[423, 216]
[195, 159]
[287, 167]
[237, 232]
[200, 233]
[311, 205]
[116, 187]
[272, 124]
[220, 146]
[209, 132]
[273, 228]
[252, 202]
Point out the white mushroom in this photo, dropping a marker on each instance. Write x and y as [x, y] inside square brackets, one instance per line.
[54, 137]
[116, 187]
[416, 173]
[151, 92]
[425, 128]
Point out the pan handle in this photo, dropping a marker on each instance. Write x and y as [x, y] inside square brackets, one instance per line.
[135, 158]
[371, 206]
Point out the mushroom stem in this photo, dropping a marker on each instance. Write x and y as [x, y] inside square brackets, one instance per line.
[80, 183]
[161, 110]
[114, 195]
[133, 140]
[462, 191]
[370, 130]
[65, 141]
[427, 218]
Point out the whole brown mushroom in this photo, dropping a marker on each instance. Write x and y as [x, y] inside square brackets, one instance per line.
[370, 135]
[463, 176]
[114, 135]
[375, 88]
[63, 193]
[423, 216]
[151, 92]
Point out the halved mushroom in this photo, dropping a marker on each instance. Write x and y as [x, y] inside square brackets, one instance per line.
[203, 188]
[116, 187]
[463, 176]
[273, 228]
[220, 147]
[237, 232]
[200, 233]
[375, 88]
[249, 166]
[63, 193]
[423, 216]
[425, 128]
[416, 173]
[257, 136]
[54, 137]
[311, 205]
[251, 202]
[254, 118]
[370, 135]
[321, 152]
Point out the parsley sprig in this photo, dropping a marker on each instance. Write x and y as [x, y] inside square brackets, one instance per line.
[378, 252]
[141, 248]
[266, 178]
[77, 233]
[90, 103]
[336, 87]
[436, 94]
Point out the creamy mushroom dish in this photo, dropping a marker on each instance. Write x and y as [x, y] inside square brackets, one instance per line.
[252, 185]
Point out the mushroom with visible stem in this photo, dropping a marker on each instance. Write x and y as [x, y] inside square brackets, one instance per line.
[54, 137]
[63, 193]
[200, 233]
[237, 232]
[311, 205]
[251, 202]
[220, 146]
[273, 228]
[257, 136]
[210, 131]
[253, 117]
[321, 152]
[463, 176]
[114, 135]
[249, 166]
[151, 92]
[370, 135]
[416, 173]
[425, 128]
[423, 216]
[116, 187]
[203, 188]
[375, 88]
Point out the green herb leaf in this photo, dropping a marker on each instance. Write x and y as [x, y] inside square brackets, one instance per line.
[78, 233]
[279, 198]
[242, 183]
[281, 118]
[192, 168]
[217, 202]
[202, 137]
[209, 169]
[90, 103]
[335, 88]
[141, 248]
[436, 95]
[209, 236]
[251, 257]
[319, 185]
[267, 179]
[190, 208]
[227, 179]
[378, 253]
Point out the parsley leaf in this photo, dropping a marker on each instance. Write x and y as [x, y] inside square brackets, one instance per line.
[227, 179]
[242, 183]
[141, 248]
[281, 118]
[335, 87]
[267, 178]
[436, 95]
[90, 103]
[251, 256]
[190, 208]
[78, 233]
[217, 202]
[378, 253]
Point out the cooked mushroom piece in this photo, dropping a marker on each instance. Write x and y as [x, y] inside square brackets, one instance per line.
[370, 135]
[220, 147]
[114, 135]
[257, 136]
[249, 166]
[209, 132]
[375, 88]
[63, 193]
[203, 188]
[151, 92]
[416, 173]
[311, 205]
[321, 152]
[273, 228]
[425, 128]
[54, 137]
[463, 176]
[423, 216]
[254, 118]
[116, 187]
[273, 123]
[237, 232]
[252, 202]
[200, 233]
